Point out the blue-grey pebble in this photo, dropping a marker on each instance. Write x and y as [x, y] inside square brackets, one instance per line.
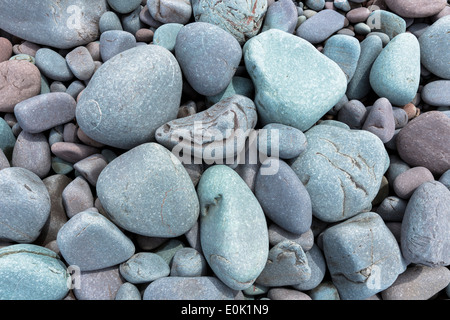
[32, 152]
[425, 235]
[382, 36]
[128, 291]
[91, 167]
[188, 288]
[45, 111]
[353, 113]
[359, 85]
[392, 209]
[318, 266]
[52, 65]
[131, 22]
[113, 42]
[121, 6]
[400, 117]
[144, 267]
[395, 74]
[342, 170]
[436, 93]
[75, 88]
[386, 22]
[435, 48]
[109, 21]
[396, 167]
[170, 11]
[92, 242]
[278, 234]
[286, 265]
[321, 26]
[7, 139]
[286, 294]
[362, 255]
[166, 35]
[283, 197]
[24, 205]
[345, 51]
[325, 291]
[445, 179]
[57, 86]
[281, 15]
[295, 84]
[4, 162]
[362, 29]
[235, 250]
[238, 85]
[279, 140]
[315, 5]
[109, 103]
[100, 284]
[152, 184]
[80, 63]
[32, 272]
[208, 55]
[188, 262]
[380, 120]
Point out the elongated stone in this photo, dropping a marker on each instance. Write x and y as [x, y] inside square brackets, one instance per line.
[345, 51]
[416, 8]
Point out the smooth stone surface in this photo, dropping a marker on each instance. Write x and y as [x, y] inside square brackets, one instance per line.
[380, 120]
[342, 170]
[392, 209]
[395, 74]
[19, 80]
[131, 22]
[425, 234]
[241, 18]
[53, 65]
[325, 291]
[445, 179]
[362, 256]
[166, 35]
[288, 142]
[407, 182]
[188, 262]
[208, 55]
[99, 284]
[92, 242]
[386, 22]
[317, 264]
[286, 265]
[437, 93]
[109, 21]
[238, 85]
[353, 113]
[419, 143]
[77, 197]
[235, 250]
[224, 126]
[278, 234]
[24, 205]
[295, 84]
[32, 152]
[80, 62]
[128, 291]
[91, 167]
[6, 49]
[144, 267]
[45, 111]
[70, 24]
[31, 272]
[159, 82]
[281, 15]
[170, 11]
[113, 42]
[435, 48]
[157, 197]
[418, 283]
[345, 51]
[72, 152]
[188, 288]
[4, 162]
[416, 8]
[358, 15]
[7, 139]
[321, 26]
[121, 6]
[286, 294]
[283, 197]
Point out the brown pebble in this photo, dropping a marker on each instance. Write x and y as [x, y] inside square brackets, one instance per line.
[72, 152]
[5, 49]
[87, 140]
[358, 15]
[144, 35]
[410, 110]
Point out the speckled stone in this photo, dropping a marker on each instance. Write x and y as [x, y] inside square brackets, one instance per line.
[53, 65]
[435, 48]
[32, 152]
[278, 234]
[159, 82]
[128, 291]
[188, 288]
[113, 42]
[295, 84]
[92, 242]
[362, 256]
[80, 62]
[395, 74]
[24, 205]
[416, 8]
[98, 284]
[342, 170]
[325, 291]
[345, 51]
[170, 11]
[144, 267]
[149, 194]
[238, 85]
[317, 264]
[109, 21]
[321, 26]
[241, 18]
[70, 24]
[425, 235]
[288, 141]
[188, 262]
[31, 272]
[166, 35]
[235, 250]
[386, 22]
[281, 15]
[91, 167]
[208, 55]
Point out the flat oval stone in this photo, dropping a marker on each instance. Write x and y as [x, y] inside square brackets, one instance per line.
[113, 42]
[407, 182]
[436, 93]
[170, 11]
[281, 15]
[283, 197]
[32, 152]
[419, 143]
[109, 102]
[435, 48]
[72, 152]
[287, 265]
[425, 235]
[19, 81]
[45, 111]
[295, 84]
[31, 272]
[80, 62]
[53, 65]
[321, 26]
[70, 24]
[214, 134]
[188, 288]
[235, 250]
[242, 18]
[144, 267]
[208, 55]
[362, 256]
[386, 22]
[289, 141]
[416, 8]
[92, 242]
[157, 197]
[395, 74]
[380, 120]
[345, 51]
[342, 170]
[24, 205]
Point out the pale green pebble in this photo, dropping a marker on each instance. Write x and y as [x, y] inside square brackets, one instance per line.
[383, 36]
[301, 19]
[346, 31]
[362, 28]
[324, 291]
[168, 249]
[24, 56]
[166, 35]
[128, 291]
[61, 166]
[309, 13]
[238, 85]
